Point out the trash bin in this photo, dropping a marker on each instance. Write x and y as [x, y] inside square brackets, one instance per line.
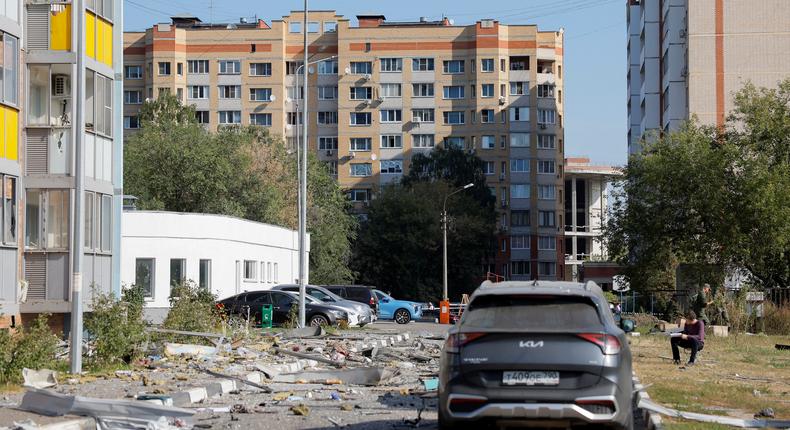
[266, 316]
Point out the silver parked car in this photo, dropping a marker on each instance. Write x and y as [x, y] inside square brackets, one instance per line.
[532, 352]
[360, 314]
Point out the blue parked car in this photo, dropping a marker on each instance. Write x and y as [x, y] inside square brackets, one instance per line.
[401, 311]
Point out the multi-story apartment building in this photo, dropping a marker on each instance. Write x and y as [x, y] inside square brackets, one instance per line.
[387, 91]
[37, 162]
[688, 57]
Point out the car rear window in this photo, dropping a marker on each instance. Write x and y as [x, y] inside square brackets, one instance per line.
[528, 312]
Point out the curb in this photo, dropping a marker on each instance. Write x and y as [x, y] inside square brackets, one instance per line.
[652, 419]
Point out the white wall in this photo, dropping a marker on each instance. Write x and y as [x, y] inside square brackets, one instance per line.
[222, 239]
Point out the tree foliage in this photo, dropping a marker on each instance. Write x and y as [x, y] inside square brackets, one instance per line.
[709, 196]
[399, 248]
[174, 164]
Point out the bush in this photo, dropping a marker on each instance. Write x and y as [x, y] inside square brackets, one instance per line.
[192, 309]
[776, 319]
[33, 347]
[116, 327]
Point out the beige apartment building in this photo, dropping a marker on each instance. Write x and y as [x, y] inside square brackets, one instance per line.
[386, 91]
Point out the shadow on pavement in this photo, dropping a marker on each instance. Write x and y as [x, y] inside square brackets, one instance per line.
[410, 401]
[383, 424]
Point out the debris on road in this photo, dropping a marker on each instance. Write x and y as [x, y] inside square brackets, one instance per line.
[717, 419]
[43, 378]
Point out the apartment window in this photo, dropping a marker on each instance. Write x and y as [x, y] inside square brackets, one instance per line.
[519, 140]
[327, 118]
[422, 115]
[487, 91]
[502, 65]
[422, 140]
[131, 122]
[295, 27]
[391, 167]
[260, 69]
[327, 67]
[250, 270]
[519, 114]
[546, 91]
[453, 66]
[361, 93]
[546, 116]
[361, 169]
[361, 143]
[519, 88]
[360, 118]
[329, 27]
[453, 92]
[359, 195]
[391, 64]
[453, 117]
[178, 268]
[98, 101]
[291, 67]
[294, 118]
[294, 93]
[47, 229]
[422, 64]
[202, 116]
[331, 166]
[197, 92]
[503, 141]
[180, 94]
[520, 241]
[313, 27]
[487, 65]
[547, 219]
[163, 92]
[197, 67]
[489, 168]
[487, 116]
[422, 90]
[230, 91]
[164, 68]
[519, 63]
[229, 67]
[180, 69]
[391, 141]
[391, 115]
[547, 243]
[230, 117]
[262, 119]
[361, 67]
[455, 142]
[546, 141]
[546, 166]
[519, 218]
[327, 93]
[547, 192]
[327, 143]
[547, 269]
[519, 165]
[133, 72]
[390, 90]
[144, 275]
[488, 142]
[260, 94]
[205, 275]
[519, 191]
[8, 210]
[133, 97]
[519, 268]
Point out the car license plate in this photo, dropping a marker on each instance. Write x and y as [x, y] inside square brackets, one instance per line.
[531, 378]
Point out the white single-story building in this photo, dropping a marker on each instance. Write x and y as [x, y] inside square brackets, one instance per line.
[225, 254]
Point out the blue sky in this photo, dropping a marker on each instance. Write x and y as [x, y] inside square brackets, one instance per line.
[595, 40]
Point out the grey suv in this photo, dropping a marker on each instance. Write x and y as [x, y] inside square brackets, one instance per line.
[536, 351]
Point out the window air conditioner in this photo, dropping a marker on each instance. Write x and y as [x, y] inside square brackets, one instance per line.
[502, 100]
[367, 76]
[368, 102]
[61, 85]
[380, 99]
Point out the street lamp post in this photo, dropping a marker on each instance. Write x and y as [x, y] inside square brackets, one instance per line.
[444, 241]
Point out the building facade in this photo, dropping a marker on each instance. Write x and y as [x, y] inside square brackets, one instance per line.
[224, 254]
[38, 160]
[688, 57]
[586, 210]
[387, 91]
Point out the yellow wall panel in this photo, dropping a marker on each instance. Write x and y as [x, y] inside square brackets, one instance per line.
[60, 28]
[106, 29]
[11, 133]
[2, 131]
[90, 35]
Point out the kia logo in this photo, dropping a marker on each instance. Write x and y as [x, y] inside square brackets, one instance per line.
[530, 344]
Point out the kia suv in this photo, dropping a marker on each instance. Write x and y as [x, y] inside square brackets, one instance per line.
[536, 352]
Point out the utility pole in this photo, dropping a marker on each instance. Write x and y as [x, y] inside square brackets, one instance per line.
[444, 241]
[303, 181]
[79, 195]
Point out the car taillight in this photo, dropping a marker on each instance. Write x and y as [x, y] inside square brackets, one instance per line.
[455, 341]
[372, 301]
[609, 344]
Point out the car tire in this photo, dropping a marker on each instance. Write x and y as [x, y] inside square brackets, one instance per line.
[402, 316]
[318, 320]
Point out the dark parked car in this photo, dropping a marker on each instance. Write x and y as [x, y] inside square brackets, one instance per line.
[536, 351]
[251, 303]
[357, 293]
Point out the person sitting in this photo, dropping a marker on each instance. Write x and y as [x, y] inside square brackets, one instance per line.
[692, 337]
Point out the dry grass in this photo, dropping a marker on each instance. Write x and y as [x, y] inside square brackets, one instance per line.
[712, 386]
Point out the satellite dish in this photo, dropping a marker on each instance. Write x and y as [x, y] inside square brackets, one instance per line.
[310, 70]
[373, 157]
[272, 98]
[348, 70]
